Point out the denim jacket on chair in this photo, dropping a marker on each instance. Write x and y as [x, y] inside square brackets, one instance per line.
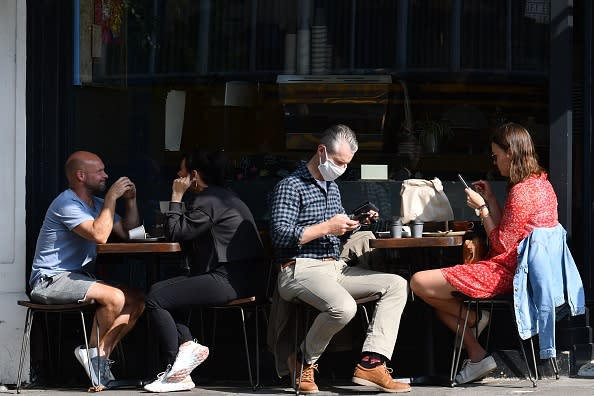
[546, 277]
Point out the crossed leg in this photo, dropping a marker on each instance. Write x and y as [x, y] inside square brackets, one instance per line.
[117, 312]
[432, 287]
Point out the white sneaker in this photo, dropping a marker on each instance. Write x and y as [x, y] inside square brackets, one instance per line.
[473, 371]
[188, 358]
[161, 385]
[100, 362]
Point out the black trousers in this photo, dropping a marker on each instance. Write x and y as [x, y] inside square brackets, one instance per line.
[168, 301]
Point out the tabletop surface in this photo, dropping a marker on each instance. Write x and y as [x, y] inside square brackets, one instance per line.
[138, 247]
[433, 241]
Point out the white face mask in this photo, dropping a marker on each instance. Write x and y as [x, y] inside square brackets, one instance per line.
[329, 170]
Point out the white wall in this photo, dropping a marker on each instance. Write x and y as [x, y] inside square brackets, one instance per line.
[12, 184]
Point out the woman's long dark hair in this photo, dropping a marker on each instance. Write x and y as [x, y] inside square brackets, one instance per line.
[211, 165]
[516, 141]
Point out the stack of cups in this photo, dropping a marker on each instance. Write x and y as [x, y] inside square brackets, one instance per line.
[318, 49]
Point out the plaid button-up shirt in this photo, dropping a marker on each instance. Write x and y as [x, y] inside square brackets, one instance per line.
[297, 202]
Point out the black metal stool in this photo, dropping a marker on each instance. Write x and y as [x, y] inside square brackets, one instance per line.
[33, 308]
[240, 305]
[506, 300]
[364, 321]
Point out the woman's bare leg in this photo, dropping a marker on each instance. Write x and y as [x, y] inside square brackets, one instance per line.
[432, 287]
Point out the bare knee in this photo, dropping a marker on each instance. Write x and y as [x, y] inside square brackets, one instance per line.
[418, 284]
[431, 284]
[114, 301]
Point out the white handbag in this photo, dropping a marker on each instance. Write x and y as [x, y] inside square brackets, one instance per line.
[424, 200]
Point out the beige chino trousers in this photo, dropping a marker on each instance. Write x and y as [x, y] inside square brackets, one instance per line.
[332, 287]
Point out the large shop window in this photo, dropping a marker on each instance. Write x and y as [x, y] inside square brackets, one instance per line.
[423, 82]
[175, 40]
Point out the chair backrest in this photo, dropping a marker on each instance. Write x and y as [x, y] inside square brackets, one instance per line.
[271, 278]
[271, 271]
[546, 278]
[544, 255]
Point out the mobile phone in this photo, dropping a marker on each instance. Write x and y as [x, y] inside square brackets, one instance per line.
[365, 207]
[462, 180]
[359, 216]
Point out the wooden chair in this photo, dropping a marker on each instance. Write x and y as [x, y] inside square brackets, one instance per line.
[32, 309]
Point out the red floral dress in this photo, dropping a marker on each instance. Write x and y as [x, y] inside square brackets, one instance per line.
[531, 203]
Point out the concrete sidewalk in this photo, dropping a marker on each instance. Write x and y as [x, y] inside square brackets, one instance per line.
[490, 386]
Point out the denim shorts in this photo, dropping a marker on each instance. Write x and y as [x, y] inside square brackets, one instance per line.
[62, 288]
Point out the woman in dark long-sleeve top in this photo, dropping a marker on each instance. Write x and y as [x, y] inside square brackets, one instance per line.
[225, 255]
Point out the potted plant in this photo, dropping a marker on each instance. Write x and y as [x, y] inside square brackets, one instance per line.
[432, 132]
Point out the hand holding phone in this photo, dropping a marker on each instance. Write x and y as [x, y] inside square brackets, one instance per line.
[365, 213]
[463, 181]
[360, 217]
[365, 207]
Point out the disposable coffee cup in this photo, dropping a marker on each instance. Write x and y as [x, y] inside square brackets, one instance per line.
[396, 229]
[137, 233]
[417, 229]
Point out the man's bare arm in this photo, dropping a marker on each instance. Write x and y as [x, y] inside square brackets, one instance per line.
[100, 229]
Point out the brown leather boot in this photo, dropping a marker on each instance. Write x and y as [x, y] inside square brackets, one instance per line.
[307, 383]
[379, 377]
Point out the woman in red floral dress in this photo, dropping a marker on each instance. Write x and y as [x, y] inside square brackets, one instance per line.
[531, 202]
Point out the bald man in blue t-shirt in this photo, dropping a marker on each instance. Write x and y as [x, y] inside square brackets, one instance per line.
[66, 250]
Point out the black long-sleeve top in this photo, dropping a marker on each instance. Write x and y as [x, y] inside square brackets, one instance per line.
[218, 226]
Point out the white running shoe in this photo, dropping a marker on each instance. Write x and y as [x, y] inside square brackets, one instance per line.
[161, 385]
[100, 362]
[80, 352]
[188, 358]
[474, 371]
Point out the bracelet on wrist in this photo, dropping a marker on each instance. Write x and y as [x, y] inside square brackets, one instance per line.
[478, 211]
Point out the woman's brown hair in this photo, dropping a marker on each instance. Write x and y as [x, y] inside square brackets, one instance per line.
[516, 141]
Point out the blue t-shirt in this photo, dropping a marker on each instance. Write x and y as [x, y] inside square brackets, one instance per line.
[58, 248]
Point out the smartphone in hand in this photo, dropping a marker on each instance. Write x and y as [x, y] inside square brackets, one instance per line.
[360, 217]
[362, 213]
[365, 207]
[463, 181]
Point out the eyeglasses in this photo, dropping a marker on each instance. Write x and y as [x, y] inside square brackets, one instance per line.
[493, 157]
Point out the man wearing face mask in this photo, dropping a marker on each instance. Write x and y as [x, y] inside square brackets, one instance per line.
[307, 221]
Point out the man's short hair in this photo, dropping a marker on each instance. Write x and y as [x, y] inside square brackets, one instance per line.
[336, 134]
